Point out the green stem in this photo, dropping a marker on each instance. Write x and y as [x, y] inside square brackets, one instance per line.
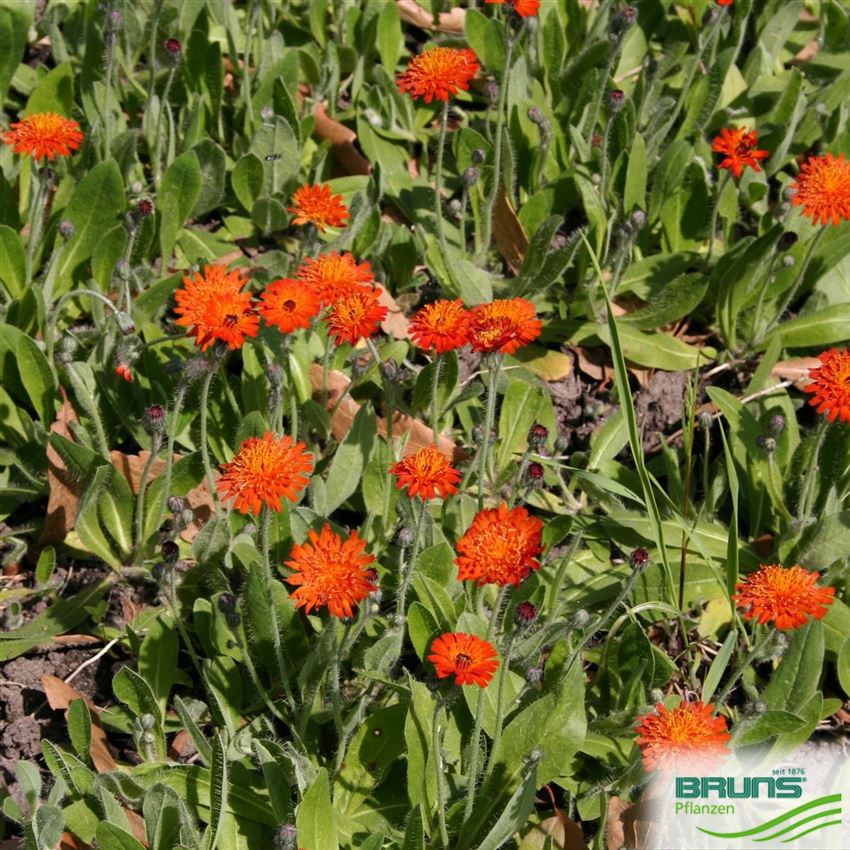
[89, 405]
[36, 219]
[107, 95]
[739, 670]
[500, 701]
[553, 600]
[293, 400]
[808, 489]
[714, 211]
[438, 183]
[489, 418]
[163, 105]
[156, 443]
[435, 404]
[336, 699]
[326, 367]
[152, 47]
[437, 745]
[205, 449]
[409, 564]
[169, 452]
[490, 203]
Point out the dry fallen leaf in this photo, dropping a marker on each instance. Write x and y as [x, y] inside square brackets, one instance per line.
[396, 323]
[63, 498]
[508, 234]
[453, 21]
[342, 141]
[796, 370]
[420, 434]
[619, 824]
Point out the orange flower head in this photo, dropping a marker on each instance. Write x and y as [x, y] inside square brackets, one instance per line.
[124, 371]
[426, 473]
[500, 547]
[524, 8]
[355, 315]
[823, 189]
[471, 660]
[504, 325]
[830, 385]
[688, 733]
[785, 597]
[333, 275]
[738, 146]
[442, 325]
[214, 307]
[332, 571]
[438, 73]
[319, 206]
[724, 2]
[44, 134]
[288, 304]
[265, 469]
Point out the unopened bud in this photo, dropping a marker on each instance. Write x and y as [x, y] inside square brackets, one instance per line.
[638, 220]
[525, 613]
[286, 837]
[788, 261]
[267, 113]
[534, 474]
[579, 619]
[233, 619]
[122, 269]
[173, 48]
[491, 91]
[148, 721]
[226, 603]
[478, 155]
[389, 370]
[274, 372]
[187, 516]
[405, 537]
[144, 208]
[776, 424]
[170, 552]
[616, 100]
[639, 559]
[535, 115]
[534, 675]
[175, 504]
[537, 436]
[158, 572]
[656, 695]
[154, 419]
[67, 228]
[125, 322]
[786, 241]
[471, 176]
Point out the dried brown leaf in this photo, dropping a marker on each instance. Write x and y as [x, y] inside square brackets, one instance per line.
[453, 21]
[396, 323]
[796, 370]
[508, 233]
[342, 141]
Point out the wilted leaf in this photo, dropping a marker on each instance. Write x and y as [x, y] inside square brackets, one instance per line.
[342, 141]
[508, 233]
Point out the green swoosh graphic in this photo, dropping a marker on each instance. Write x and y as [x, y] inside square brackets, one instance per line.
[819, 826]
[821, 801]
[809, 819]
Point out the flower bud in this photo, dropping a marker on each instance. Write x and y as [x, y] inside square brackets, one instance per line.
[267, 113]
[249, 528]
[187, 516]
[286, 837]
[226, 603]
[389, 370]
[471, 176]
[233, 619]
[173, 48]
[788, 261]
[148, 721]
[786, 241]
[144, 208]
[534, 675]
[656, 695]
[776, 424]
[616, 100]
[274, 372]
[405, 537]
[639, 559]
[525, 613]
[535, 115]
[562, 443]
[175, 504]
[67, 228]
[537, 436]
[491, 91]
[122, 269]
[154, 419]
[478, 155]
[638, 219]
[158, 572]
[579, 619]
[170, 552]
[534, 475]
[125, 322]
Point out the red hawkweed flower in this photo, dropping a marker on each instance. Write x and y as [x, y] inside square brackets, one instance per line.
[442, 325]
[723, 2]
[214, 307]
[426, 473]
[355, 315]
[830, 385]
[438, 73]
[738, 145]
[331, 571]
[471, 660]
[524, 8]
[265, 470]
[124, 371]
[319, 206]
[504, 325]
[44, 134]
[288, 304]
[787, 597]
[500, 547]
[333, 275]
[689, 733]
[823, 189]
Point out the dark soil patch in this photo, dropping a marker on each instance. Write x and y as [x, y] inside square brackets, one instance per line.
[660, 405]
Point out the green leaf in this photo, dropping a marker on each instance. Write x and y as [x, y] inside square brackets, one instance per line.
[826, 327]
[350, 458]
[213, 163]
[422, 626]
[279, 153]
[93, 209]
[768, 725]
[162, 813]
[390, 36]
[79, 728]
[314, 819]
[523, 405]
[247, 180]
[829, 543]
[634, 193]
[54, 92]
[678, 298]
[99, 503]
[13, 274]
[110, 837]
[843, 666]
[485, 37]
[418, 735]
[181, 186]
[158, 659]
[45, 565]
[273, 761]
[137, 695]
[515, 814]
[218, 791]
[37, 377]
[49, 823]
[795, 680]
[15, 20]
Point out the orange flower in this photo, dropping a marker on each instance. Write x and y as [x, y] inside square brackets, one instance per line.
[823, 189]
[288, 304]
[830, 385]
[213, 306]
[443, 326]
[739, 147]
[124, 371]
[355, 315]
[265, 470]
[787, 597]
[426, 473]
[500, 547]
[45, 134]
[439, 72]
[686, 734]
[333, 275]
[330, 571]
[505, 325]
[471, 660]
[524, 8]
[724, 2]
[318, 205]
